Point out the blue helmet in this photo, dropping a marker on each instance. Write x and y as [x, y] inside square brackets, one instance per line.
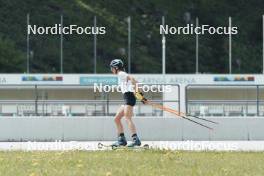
[117, 64]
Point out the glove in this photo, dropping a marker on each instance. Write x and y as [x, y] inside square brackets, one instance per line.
[140, 97]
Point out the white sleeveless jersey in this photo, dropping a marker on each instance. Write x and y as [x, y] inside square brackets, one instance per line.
[125, 84]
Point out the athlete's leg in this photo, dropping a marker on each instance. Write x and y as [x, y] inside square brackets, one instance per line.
[119, 115]
[121, 141]
[128, 110]
[128, 113]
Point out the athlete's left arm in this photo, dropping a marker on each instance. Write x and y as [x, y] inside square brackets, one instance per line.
[134, 83]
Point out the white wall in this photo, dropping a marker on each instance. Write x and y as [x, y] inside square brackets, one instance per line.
[149, 128]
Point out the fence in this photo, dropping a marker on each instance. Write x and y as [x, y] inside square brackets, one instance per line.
[68, 100]
[71, 101]
[244, 101]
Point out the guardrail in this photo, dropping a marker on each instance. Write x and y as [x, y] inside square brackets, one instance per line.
[225, 108]
[43, 106]
[73, 108]
[247, 107]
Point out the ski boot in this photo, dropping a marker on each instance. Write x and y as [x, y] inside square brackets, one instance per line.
[135, 142]
[121, 141]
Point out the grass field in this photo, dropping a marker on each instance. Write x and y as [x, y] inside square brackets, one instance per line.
[106, 163]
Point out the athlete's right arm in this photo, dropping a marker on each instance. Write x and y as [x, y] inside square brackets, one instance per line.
[140, 97]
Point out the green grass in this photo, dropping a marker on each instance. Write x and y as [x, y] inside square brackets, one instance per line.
[131, 163]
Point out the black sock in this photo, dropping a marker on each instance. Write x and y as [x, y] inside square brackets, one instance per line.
[122, 134]
[134, 135]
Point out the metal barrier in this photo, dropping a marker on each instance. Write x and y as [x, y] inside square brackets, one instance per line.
[42, 106]
[73, 108]
[229, 107]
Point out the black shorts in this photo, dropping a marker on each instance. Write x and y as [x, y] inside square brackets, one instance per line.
[129, 98]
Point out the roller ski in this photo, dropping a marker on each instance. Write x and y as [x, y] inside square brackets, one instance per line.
[114, 147]
[122, 144]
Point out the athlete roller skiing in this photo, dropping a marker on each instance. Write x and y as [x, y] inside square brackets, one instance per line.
[129, 89]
